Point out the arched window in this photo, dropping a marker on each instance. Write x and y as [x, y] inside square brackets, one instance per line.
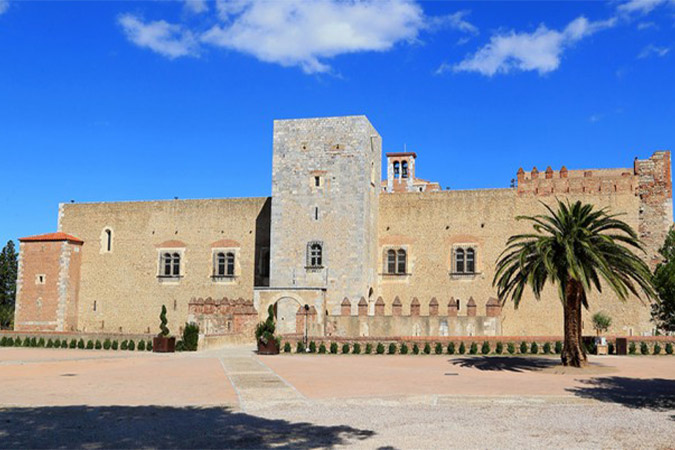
[166, 263]
[220, 264]
[396, 169]
[108, 240]
[459, 260]
[170, 264]
[404, 169]
[176, 264]
[391, 261]
[314, 254]
[400, 261]
[470, 260]
[230, 264]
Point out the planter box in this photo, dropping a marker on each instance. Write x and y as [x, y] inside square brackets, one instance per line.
[163, 344]
[271, 348]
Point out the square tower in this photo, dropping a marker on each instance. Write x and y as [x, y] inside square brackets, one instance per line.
[325, 186]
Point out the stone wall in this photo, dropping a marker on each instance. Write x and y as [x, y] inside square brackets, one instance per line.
[224, 317]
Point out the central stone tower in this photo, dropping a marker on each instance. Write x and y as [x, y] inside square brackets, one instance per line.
[325, 186]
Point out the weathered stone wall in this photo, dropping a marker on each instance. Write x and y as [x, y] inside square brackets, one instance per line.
[124, 283]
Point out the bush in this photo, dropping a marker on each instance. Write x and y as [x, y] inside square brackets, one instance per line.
[163, 329]
[73, 344]
[499, 348]
[669, 348]
[3, 341]
[98, 345]
[610, 348]
[141, 345]
[300, 348]
[485, 348]
[369, 348]
[657, 349]
[451, 348]
[380, 348]
[57, 343]
[547, 348]
[64, 344]
[462, 348]
[26, 342]
[41, 342]
[90, 344]
[473, 349]
[404, 349]
[33, 342]
[148, 346]
[534, 348]
[180, 346]
[80, 343]
[312, 347]
[427, 348]
[287, 347]
[132, 345]
[333, 348]
[589, 347]
[523, 347]
[115, 345]
[416, 349]
[357, 349]
[345, 348]
[10, 342]
[322, 348]
[17, 342]
[50, 344]
[644, 349]
[631, 348]
[392, 349]
[125, 345]
[558, 347]
[190, 337]
[439, 348]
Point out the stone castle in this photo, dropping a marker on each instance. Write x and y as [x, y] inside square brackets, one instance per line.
[335, 250]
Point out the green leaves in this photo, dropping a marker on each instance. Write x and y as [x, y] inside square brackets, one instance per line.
[8, 271]
[663, 311]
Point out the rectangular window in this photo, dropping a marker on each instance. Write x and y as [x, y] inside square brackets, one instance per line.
[316, 213]
[317, 181]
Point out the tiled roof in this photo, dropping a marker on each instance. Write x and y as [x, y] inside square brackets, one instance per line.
[50, 237]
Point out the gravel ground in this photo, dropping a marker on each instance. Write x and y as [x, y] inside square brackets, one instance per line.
[394, 423]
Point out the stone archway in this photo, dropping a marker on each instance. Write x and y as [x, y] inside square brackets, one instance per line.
[285, 310]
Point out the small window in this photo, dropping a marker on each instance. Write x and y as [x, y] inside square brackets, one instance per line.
[230, 264]
[40, 279]
[470, 260]
[404, 169]
[396, 262]
[391, 261]
[221, 264]
[106, 240]
[459, 260]
[396, 169]
[317, 181]
[315, 254]
[170, 264]
[316, 213]
[401, 261]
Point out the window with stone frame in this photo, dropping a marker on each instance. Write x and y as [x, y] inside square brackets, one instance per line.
[396, 262]
[224, 264]
[464, 260]
[169, 264]
[315, 254]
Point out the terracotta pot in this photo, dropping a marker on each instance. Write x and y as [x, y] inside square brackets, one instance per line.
[161, 344]
[271, 348]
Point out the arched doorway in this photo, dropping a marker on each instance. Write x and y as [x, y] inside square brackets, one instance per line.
[285, 310]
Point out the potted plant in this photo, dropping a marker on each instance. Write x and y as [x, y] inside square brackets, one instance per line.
[601, 322]
[268, 344]
[163, 343]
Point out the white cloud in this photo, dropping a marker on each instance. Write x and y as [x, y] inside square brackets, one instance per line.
[642, 6]
[653, 50]
[538, 51]
[304, 33]
[196, 6]
[455, 21]
[646, 25]
[167, 39]
[4, 6]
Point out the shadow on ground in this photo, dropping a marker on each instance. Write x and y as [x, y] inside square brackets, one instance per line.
[506, 363]
[657, 394]
[161, 427]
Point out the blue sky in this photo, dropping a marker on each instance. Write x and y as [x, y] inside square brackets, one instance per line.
[104, 101]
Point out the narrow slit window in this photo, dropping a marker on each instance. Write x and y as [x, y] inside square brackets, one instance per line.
[108, 240]
[317, 181]
[316, 213]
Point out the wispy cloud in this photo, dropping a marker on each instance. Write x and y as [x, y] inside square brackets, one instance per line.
[653, 50]
[4, 6]
[540, 50]
[170, 40]
[646, 25]
[642, 6]
[455, 21]
[196, 6]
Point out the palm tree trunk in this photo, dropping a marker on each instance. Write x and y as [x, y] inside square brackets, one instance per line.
[573, 353]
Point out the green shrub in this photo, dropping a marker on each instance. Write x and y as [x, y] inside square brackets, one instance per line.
[439, 348]
[180, 346]
[499, 348]
[404, 349]
[657, 348]
[356, 349]
[287, 347]
[558, 347]
[427, 348]
[3, 341]
[80, 343]
[632, 349]
[523, 347]
[41, 342]
[107, 344]
[57, 343]
[132, 345]
[73, 343]
[416, 349]
[312, 347]
[33, 342]
[300, 348]
[473, 349]
[547, 348]
[124, 345]
[669, 348]
[369, 348]
[380, 348]
[322, 349]
[148, 346]
[511, 348]
[534, 348]
[50, 344]
[345, 348]
[141, 345]
[451, 348]
[589, 347]
[392, 349]
[644, 349]
[163, 329]
[98, 345]
[64, 343]
[190, 337]
[90, 344]
[485, 348]
[462, 348]
[610, 348]
[26, 342]
[333, 348]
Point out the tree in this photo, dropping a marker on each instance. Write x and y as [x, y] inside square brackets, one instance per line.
[573, 248]
[601, 322]
[663, 310]
[8, 271]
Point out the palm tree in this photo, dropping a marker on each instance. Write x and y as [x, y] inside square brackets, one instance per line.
[573, 248]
